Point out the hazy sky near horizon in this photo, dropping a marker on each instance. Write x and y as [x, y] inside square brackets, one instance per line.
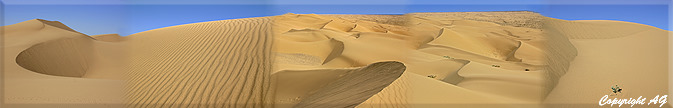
[124, 18]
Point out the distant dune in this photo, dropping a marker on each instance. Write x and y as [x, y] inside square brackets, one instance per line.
[108, 37]
[448, 59]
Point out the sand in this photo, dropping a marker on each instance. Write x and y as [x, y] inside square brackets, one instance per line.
[633, 56]
[455, 59]
[451, 54]
[47, 64]
[211, 64]
[108, 37]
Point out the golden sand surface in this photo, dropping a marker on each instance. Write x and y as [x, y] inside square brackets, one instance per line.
[449, 59]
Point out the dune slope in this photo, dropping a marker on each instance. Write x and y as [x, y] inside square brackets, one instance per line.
[210, 64]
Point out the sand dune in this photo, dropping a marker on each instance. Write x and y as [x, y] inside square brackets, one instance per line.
[47, 65]
[366, 42]
[63, 57]
[517, 84]
[210, 64]
[528, 54]
[456, 59]
[632, 56]
[602, 29]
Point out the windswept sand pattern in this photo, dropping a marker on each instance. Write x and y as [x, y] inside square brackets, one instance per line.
[210, 64]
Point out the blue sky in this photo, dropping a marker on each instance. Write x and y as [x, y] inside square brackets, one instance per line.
[95, 17]
[336, 2]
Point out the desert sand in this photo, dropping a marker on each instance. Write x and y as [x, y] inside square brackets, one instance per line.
[633, 56]
[47, 64]
[451, 59]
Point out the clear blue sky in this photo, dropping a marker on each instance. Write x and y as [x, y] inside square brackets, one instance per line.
[94, 17]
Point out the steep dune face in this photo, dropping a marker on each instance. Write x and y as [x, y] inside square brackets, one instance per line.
[70, 55]
[355, 87]
[64, 57]
[333, 87]
[560, 53]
